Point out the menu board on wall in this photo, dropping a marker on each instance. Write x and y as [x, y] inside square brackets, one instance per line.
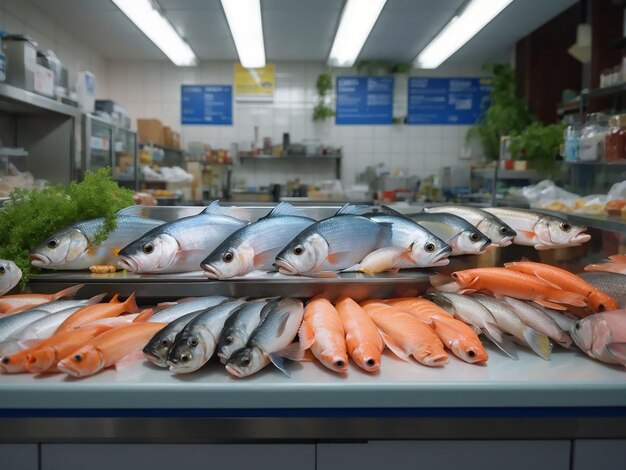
[447, 100]
[210, 105]
[254, 85]
[364, 100]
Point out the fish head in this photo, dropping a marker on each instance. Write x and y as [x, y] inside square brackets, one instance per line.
[13, 363]
[229, 260]
[86, 361]
[151, 253]
[335, 360]
[231, 340]
[553, 231]
[40, 360]
[602, 302]
[472, 242]
[430, 252]
[61, 248]
[158, 347]
[190, 350]
[246, 362]
[469, 352]
[582, 333]
[367, 357]
[303, 255]
[465, 278]
[500, 233]
[10, 275]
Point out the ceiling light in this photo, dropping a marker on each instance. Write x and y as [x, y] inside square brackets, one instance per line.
[244, 21]
[357, 20]
[463, 27]
[154, 25]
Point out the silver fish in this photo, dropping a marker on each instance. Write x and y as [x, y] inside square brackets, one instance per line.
[463, 237]
[562, 319]
[543, 231]
[62, 304]
[9, 324]
[612, 284]
[170, 314]
[271, 341]
[10, 275]
[196, 342]
[255, 247]
[73, 247]
[499, 232]
[539, 320]
[45, 326]
[181, 245]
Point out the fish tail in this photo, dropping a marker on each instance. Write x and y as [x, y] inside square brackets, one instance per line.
[569, 298]
[68, 293]
[538, 342]
[505, 344]
[96, 299]
[444, 283]
[130, 304]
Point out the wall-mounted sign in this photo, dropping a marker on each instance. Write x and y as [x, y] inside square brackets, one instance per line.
[447, 100]
[254, 85]
[364, 100]
[210, 105]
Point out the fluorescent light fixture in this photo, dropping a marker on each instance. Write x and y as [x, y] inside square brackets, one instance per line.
[154, 25]
[463, 27]
[357, 20]
[244, 21]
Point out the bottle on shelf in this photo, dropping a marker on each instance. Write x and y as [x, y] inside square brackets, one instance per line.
[615, 139]
[592, 138]
[572, 138]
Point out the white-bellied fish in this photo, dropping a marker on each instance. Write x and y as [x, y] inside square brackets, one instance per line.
[173, 312]
[463, 237]
[539, 320]
[10, 275]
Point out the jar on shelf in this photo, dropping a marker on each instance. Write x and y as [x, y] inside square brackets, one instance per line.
[592, 138]
[572, 138]
[615, 140]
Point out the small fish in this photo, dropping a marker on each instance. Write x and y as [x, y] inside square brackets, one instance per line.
[173, 312]
[322, 331]
[405, 335]
[73, 248]
[181, 245]
[196, 342]
[565, 322]
[463, 237]
[108, 348]
[19, 302]
[599, 301]
[602, 336]
[611, 283]
[617, 265]
[63, 304]
[271, 341]
[540, 230]
[363, 341]
[539, 320]
[255, 246]
[499, 232]
[10, 275]
[333, 244]
[95, 312]
[10, 324]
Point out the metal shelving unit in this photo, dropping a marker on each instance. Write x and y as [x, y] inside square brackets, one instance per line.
[297, 158]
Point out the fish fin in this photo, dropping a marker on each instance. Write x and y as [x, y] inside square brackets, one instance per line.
[338, 257]
[543, 279]
[505, 344]
[130, 304]
[394, 347]
[279, 362]
[493, 330]
[618, 351]
[306, 335]
[321, 274]
[115, 299]
[264, 258]
[237, 212]
[96, 299]
[30, 342]
[91, 250]
[571, 298]
[402, 255]
[285, 209]
[283, 323]
[388, 210]
[350, 209]
[144, 315]
[444, 283]
[128, 361]
[293, 352]
[527, 233]
[308, 357]
[552, 305]
[538, 342]
[68, 293]
[111, 322]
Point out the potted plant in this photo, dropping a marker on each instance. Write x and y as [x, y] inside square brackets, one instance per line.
[324, 84]
[539, 144]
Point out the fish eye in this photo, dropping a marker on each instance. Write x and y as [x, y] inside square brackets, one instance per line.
[53, 243]
[228, 340]
[2, 270]
[474, 237]
[5, 360]
[577, 326]
[228, 257]
[165, 342]
[245, 361]
[148, 248]
[504, 230]
[429, 247]
[78, 357]
[193, 342]
[471, 353]
[185, 357]
[566, 226]
[298, 250]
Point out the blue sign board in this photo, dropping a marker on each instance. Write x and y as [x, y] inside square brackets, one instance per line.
[364, 100]
[210, 105]
[447, 100]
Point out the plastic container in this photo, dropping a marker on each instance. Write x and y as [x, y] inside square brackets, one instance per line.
[21, 60]
[615, 139]
[86, 90]
[592, 138]
[572, 140]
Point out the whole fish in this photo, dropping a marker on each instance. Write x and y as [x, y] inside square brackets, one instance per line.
[540, 230]
[363, 341]
[463, 237]
[617, 264]
[255, 247]
[95, 312]
[405, 335]
[503, 282]
[108, 348]
[333, 244]
[598, 300]
[181, 245]
[170, 314]
[19, 302]
[322, 331]
[611, 283]
[602, 336]
[10, 275]
[271, 341]
[73, 247]
[240, 325]
[564, 322]
[510, 323]
[196, 342]
[499, 232]
[12, 323]
[539, 320]
[63, 304]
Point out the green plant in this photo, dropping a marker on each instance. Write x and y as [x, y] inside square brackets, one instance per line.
[507, 114]
[323, 84]
[539, 145]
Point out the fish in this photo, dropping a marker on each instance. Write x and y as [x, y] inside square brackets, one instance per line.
[539, 320]
[617, 264]
[505, 282]
[322, 331]
[405, 335]
[363, 341]
[13, 323]
[108, 348]
[19, 302]
[10, 275]
[333, 244]
[612, 284]
[454, 334]
[240, 325]
[463, 237]
[255, 246]
[91, 313]
[195, 344]
[543, 231]
[44, 356]
[564, 322]
[173, 312]
[181, 245]
[496, 230]
[474, 313]
[73, 247]
[271, 341]
[602, 336]
[509, 322]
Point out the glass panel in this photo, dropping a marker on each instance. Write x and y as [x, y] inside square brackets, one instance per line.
[99, 143]
[125, 158]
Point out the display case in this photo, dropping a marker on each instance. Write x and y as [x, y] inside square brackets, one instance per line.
[98, 143]
[125, 161]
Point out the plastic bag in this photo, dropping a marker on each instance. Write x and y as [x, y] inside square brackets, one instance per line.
[547, 195]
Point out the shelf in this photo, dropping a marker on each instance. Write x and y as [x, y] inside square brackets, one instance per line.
[17, 101]
[167, 149]
[488, 173]
[290, 157]
[607, 91]
[598, 163]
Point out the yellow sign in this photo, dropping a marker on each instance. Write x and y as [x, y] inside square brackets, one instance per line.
[254, 84]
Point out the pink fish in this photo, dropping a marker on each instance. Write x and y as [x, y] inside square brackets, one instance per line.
[603, 336]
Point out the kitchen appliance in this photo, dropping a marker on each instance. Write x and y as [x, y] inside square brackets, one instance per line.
[21, 60]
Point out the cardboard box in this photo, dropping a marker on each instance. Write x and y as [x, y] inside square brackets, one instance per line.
[167, 136]
[176, 140]
[150, 130]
